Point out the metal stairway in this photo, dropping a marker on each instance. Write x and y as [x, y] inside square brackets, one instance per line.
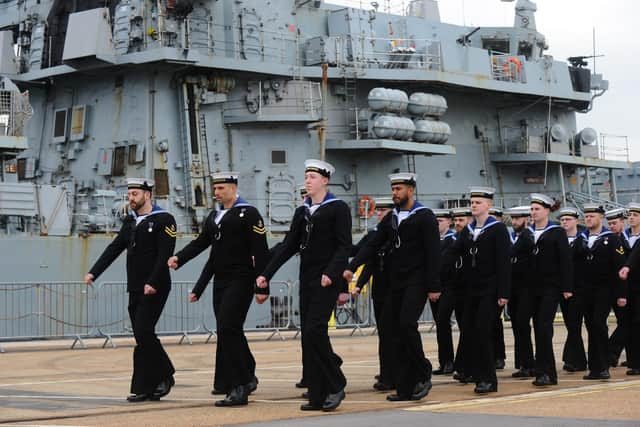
[577, 200]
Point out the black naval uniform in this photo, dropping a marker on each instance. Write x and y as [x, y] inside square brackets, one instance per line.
[521, 282]
[462, 363]
[444, 306]
[412, 262]
[381, 310]
[323, 239]
[489, 278]
[633, 303]
[149, 241]
[603, 261]
[238, 251]
[573, 354]
[618, 339]
[552, 274]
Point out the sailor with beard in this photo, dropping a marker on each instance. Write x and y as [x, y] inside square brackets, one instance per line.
[149, 236]
[409, 241]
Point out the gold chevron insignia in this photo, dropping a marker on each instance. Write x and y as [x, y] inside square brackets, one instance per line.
[259, 230]
[620, 250]
[170, 231]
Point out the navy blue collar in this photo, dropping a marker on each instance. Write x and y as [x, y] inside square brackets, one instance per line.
[329, 197]
[238, 203]
[450, 233]
[155, 209]
[417, 206]
[604, 231]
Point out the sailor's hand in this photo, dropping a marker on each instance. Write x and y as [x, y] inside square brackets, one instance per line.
[567, 295]
[325, 281]
[622, 302]
[262, 282]
[502, 302]
[149, 290]
[348, 275]
[434, 296]
[624, 273]
[193, 297]
[355, 291]
[173, 262]
[343, 298]
[261, 298]
[88, 278]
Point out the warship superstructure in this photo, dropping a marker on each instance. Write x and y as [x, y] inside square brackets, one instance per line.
[95, 91]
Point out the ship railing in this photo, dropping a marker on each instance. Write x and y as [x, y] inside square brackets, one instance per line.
[15, 111]
[391, 53]
[614, 147]
[274, 46]
[508, 68]
[300, 99]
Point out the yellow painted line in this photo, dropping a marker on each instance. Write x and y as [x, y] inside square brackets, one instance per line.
[539, 395]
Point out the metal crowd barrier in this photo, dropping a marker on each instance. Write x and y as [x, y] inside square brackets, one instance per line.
[45, 309]
[31, 310]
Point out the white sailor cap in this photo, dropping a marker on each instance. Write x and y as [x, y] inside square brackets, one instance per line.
[408, 178]
[140, 184]
[542, 199]
[633, 207]
[226, 177]
[460, 212]
[323, 168]
[442, 213]
[569, 212]
[484, 192]
[519, 212]
[593, 208]
[383, 202]
[616, 213]
[302, 190]
[495, 211]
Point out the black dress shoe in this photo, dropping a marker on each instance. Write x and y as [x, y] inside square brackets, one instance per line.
[421, 390]
[464, 379]
[633, 371]
[485, 387]
[237, 397]
[568, 367]
[499, 363]
[397, 398]
[333, 401]
[164, 388]
[523, 373]
[141, 397]
[544, 380]
[310, 407]
[380, 386]
[604, 375]
[253, 385]
[447, 369]
[302, 384]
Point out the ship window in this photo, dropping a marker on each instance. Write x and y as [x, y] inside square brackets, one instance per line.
[161, 177]
[278, 157]
[60, 125]
[496, 45]
[119, 156]
[136, 154]
[78, 119]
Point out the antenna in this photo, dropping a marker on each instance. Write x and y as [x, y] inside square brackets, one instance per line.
[594, 50]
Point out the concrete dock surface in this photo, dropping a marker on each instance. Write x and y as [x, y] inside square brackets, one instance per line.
[46, 383]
